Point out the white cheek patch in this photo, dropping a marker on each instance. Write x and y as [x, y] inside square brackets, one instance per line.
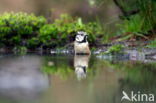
[79, 38]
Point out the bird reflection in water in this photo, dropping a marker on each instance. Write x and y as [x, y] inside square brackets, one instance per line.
[81, 65]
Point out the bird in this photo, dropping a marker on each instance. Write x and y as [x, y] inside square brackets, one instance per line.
[81, 45]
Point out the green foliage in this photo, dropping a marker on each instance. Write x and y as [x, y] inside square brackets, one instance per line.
[33, 42]
[49, 35]
[134, 27]
[22, 29]
[20, 50]
[147, 11]
[115, 49]
[20, 23]
[65, 28]
[14, 27]
[68, 25]
[152, 44]
[143, 23]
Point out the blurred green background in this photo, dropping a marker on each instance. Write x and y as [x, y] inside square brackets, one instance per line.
[31, 24]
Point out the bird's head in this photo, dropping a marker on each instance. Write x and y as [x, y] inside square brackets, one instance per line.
[81, 37]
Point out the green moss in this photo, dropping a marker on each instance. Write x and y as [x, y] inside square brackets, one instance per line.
[152, 44]
[115, 49]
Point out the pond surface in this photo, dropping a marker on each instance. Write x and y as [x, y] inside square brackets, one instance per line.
[72, 79]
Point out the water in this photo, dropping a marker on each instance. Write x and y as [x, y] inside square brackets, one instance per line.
[72, 79]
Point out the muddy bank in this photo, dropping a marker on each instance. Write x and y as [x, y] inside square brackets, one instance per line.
[139, 51]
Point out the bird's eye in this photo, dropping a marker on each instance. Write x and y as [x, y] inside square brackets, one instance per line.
[81, 34]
